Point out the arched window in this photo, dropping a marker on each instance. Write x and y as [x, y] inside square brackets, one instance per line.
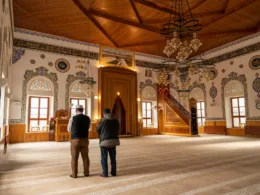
[80, 94]
[198, 95]
[149, 103]
[40, 92]
[235, 104]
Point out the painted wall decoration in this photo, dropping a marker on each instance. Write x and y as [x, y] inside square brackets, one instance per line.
[147, 82]
[62, 65]
[254, 62]
[256, 85]
[32, 61]
[213, 92]
[50, 64]
[233, 76]
[213, 73]
[42, 56]
[17, 53]
[30, 74]
[115, 57]
[241, 66]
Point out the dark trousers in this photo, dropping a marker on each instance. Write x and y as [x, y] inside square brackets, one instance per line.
[112, 154]
[79, 146]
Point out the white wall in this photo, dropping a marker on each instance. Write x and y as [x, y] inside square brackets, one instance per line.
[6, 47]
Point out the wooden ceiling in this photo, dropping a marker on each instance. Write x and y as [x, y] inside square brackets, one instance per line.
[135, 24]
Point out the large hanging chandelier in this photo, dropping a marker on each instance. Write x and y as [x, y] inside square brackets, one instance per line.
[86, 83]
[163, 77]
[180, 27]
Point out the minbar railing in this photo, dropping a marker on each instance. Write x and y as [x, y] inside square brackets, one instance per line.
[173, 103]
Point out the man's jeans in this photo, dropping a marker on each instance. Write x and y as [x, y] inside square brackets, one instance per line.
[112, 154]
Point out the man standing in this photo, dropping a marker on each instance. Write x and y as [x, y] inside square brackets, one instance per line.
[79, 127]
[108, 129]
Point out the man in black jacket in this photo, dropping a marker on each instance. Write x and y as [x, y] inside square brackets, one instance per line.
[79, 127]
[108, 129]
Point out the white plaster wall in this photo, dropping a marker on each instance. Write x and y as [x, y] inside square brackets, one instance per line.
[6, 47]
[24, 64]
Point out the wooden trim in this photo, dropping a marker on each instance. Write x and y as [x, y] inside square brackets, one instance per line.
[155, 6]
[232, 114]
[39, 108]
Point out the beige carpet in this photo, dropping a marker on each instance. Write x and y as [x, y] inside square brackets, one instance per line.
[146, 165]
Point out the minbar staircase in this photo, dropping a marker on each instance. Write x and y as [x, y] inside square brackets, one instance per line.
[173, 117]
[177, 107]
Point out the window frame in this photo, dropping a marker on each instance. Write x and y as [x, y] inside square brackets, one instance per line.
[201, 113]
[147, 118]
[239, 116]
[85, 108]
[38, 119]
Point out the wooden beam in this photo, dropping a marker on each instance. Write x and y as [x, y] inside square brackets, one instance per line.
[243, 5]
[226, 5]
[122, 20]
[195, 6]
[83, 9]
[136, 11]
[157, 7]
[143, 43]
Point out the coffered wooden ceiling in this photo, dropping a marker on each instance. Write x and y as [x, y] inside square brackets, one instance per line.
[135, 24]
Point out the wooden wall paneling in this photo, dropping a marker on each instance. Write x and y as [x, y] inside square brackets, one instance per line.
[17, 133]
[150, 131]
[252, 128]
[236, 131]
[215, 127]
[113, 80]
[36, 137]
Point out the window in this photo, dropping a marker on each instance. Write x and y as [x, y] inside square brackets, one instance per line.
[38, 114]
[201, 113]
[238, 111]
[74, 102]
[147, 113]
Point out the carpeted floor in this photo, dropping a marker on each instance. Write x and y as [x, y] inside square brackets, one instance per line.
[208, 165]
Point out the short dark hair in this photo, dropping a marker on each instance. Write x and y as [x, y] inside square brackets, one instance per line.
[80, 109]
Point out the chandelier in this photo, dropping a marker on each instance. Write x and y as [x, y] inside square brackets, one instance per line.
[181, 26]
[163, 77]
[86, 83]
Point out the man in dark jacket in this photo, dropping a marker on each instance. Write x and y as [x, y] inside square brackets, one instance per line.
[79, 127]
[108, 129]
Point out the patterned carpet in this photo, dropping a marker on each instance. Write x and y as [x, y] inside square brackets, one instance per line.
[207, 165]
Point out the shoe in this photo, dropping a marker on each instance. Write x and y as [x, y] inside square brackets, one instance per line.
[101, 175]
[113, 175]
[73, 176]
[86, 175]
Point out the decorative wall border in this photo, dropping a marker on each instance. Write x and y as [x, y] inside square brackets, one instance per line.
[231, 44]
[30, 74]
[69, 51]
[17, 53]
[70, 79]
[203, 88]
[49, 36]
[233, 76]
